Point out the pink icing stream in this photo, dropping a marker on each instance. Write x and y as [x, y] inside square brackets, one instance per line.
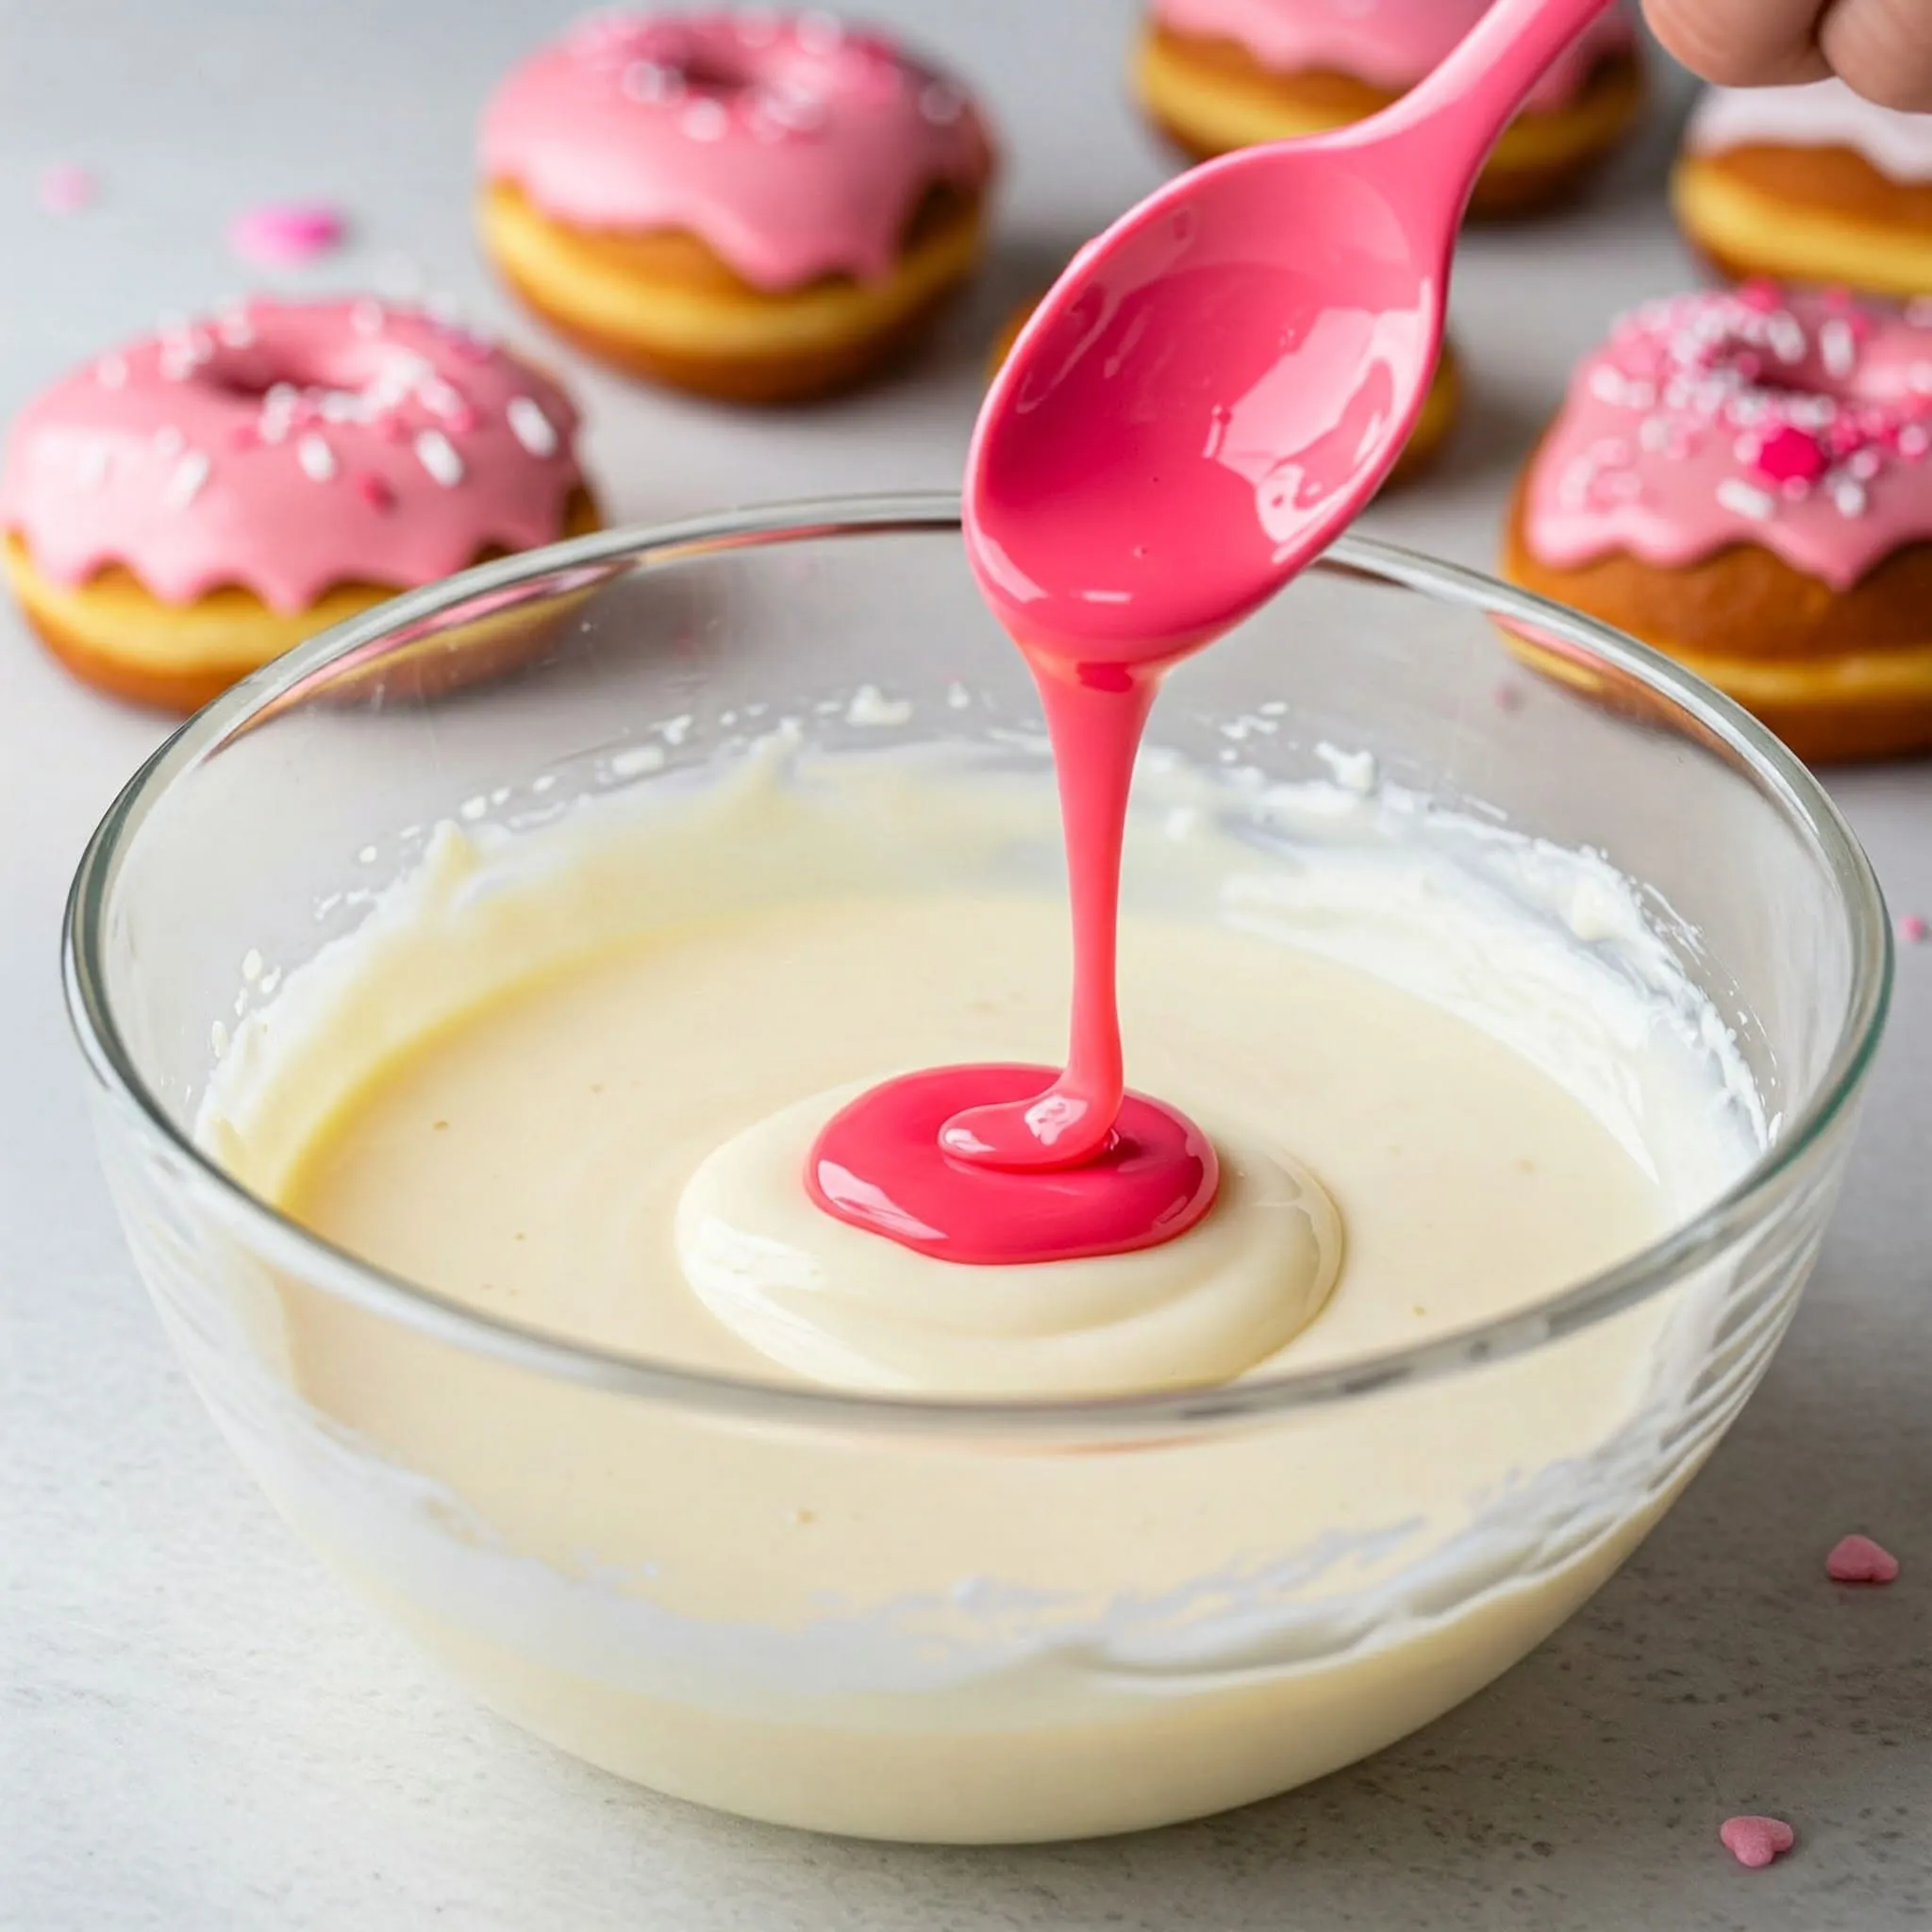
[285, 234]
[286, 447]
[1801, 423]
[792, 146]
[1389, 43]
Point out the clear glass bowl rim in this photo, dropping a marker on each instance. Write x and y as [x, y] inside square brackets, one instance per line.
[283, 1244]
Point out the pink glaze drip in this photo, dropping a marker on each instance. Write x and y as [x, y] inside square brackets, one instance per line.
[286, 447]
[1801, 423]
[1389, 43]
[792, 146]
[881, 1164]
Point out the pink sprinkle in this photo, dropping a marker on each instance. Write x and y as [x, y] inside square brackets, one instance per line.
[283, 234]
[374, 491]
[1789, 456]
[1508, 697]
[1859, 1560]
[66, 188]
[1913, 930]
[1756, 1842]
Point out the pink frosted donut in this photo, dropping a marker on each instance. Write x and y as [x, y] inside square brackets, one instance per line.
[1744, 479]
[730, 199]
[1217, 75]
[184, 507]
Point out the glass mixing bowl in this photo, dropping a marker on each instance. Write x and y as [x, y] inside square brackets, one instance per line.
[1077, 1617]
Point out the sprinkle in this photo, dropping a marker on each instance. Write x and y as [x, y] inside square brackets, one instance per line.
[1743, 500]
[317, 459]
[438, 455]
[531, 426]
[1838, 347]
[1848, 497]
[1864, 464]
[287, 233]
[940, 104]
[1913, 441]
[184, 485]
[66, 188]
[1788, 455]
[374, 491]
[1859, 1560]
[706, 120]
[1913, 930]
[111, 372]
[645, 80]
[1507, 697]
[817, 32]
[1756, 1842]
[90, 465]
[366, 317]
[235, 330]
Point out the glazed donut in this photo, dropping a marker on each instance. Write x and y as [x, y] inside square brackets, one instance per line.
[1740, 479]
[1809, 184]
[1217, 75]
[756, 206]
[186, 508]
[1440, 409]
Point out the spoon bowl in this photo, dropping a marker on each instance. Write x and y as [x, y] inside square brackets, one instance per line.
[1219, 383]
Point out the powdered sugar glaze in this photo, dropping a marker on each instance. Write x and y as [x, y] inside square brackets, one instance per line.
[1798, 422]
[286, 447]
[792, 146]
[1389, 43]
[1824, 113]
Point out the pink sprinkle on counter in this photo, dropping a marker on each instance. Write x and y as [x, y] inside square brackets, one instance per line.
[1756, 1842]
[66, 188]
[1859, 1560]
[284, 234]
[1913, 930]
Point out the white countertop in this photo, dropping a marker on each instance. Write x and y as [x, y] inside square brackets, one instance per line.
[201, 1728]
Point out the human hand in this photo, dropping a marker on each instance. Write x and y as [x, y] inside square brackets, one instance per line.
[1880, 48]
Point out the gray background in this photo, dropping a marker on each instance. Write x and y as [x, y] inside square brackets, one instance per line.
[201, 1728]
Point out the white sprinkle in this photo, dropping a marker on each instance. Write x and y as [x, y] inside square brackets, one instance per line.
[1864, 464]
[235, 330]
[1787, 338]
[252, 963]
[368, 855]
[1743, 500]
[545, 781]
[184, 485]
[111, 372]
[317, 459]
[1746, 449]
[1838, 348]
[217, 1039]
[1913, 441]
[1849, 498]
[1654, 433]
[531, 426]
[940, 104]
[676, 730]
[818, 32]
[365, 317]
[474, 808]
[644, 81]
[438, 455]
[959, 698]
[706, 120]
[870, 705]
[638, 759]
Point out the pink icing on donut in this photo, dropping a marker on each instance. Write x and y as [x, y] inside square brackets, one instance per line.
[1389, 43]
[286, 447]
[792, 146]
[1801, 423]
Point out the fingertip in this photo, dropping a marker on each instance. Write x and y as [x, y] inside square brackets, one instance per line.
[1740, 42]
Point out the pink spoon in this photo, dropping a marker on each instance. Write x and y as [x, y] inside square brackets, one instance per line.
[1205, 398]
[1208, 394]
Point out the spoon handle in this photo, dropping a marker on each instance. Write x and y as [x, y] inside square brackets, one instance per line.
[1461, 110]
